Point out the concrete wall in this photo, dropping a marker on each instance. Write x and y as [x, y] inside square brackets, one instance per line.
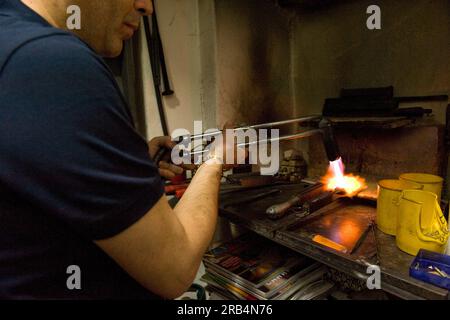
[333, 49]
[228, 61]
[253, 62]
[190, 56]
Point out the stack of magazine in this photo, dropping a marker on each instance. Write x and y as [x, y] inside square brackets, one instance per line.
[254, 268]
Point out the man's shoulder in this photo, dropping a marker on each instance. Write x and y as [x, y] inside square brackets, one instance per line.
[59, 51]
[46, 46]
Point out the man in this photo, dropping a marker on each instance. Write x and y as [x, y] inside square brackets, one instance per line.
[78, 190]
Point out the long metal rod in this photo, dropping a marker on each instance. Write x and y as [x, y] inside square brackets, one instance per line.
[259, 126]
[153, 47]
[295, 136]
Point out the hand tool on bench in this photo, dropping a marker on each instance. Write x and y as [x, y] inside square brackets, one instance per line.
[180, 192]
[309, 202]
[237, 188]
[258, 196]
[250, 180]
[172, 189]
[329, 243]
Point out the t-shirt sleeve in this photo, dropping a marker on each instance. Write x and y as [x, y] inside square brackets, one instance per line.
[71, 148]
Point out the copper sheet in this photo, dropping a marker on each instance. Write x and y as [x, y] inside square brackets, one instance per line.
[343, 224]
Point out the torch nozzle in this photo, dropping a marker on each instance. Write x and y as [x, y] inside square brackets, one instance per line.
[329, 142]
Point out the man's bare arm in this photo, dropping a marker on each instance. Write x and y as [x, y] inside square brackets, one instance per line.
[163, 250]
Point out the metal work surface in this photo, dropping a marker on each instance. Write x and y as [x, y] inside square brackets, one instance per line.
[342, 221]
[237, 204]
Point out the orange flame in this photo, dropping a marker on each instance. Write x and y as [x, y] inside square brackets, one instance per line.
[336, 179]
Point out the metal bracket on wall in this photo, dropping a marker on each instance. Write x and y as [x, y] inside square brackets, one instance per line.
[158, 65]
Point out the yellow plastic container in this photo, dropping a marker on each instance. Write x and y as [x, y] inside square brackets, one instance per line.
[389, 192]
[429, 182]
[420, 224]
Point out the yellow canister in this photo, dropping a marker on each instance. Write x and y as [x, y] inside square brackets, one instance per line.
[429, 182]
[389, 192]
[420, 224]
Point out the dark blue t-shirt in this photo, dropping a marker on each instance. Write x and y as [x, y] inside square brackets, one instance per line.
[72, 167]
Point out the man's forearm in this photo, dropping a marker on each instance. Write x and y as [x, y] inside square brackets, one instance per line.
[197, 210]
[163, 249]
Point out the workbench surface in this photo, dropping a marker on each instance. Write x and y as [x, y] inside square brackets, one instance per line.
[293, 232]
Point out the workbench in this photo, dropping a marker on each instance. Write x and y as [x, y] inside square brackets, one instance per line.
[290, 232]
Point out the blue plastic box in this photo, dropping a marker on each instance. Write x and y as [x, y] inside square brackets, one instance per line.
[431, 267]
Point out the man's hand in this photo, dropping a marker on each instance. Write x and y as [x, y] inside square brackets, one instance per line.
[166, 169]
[225, 151]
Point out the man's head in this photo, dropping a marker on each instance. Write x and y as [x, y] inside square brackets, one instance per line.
[105, 24]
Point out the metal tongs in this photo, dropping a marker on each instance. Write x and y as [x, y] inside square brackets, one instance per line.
[324, 129]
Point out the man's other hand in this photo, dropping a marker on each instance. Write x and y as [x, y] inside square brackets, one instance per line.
[166, 169]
